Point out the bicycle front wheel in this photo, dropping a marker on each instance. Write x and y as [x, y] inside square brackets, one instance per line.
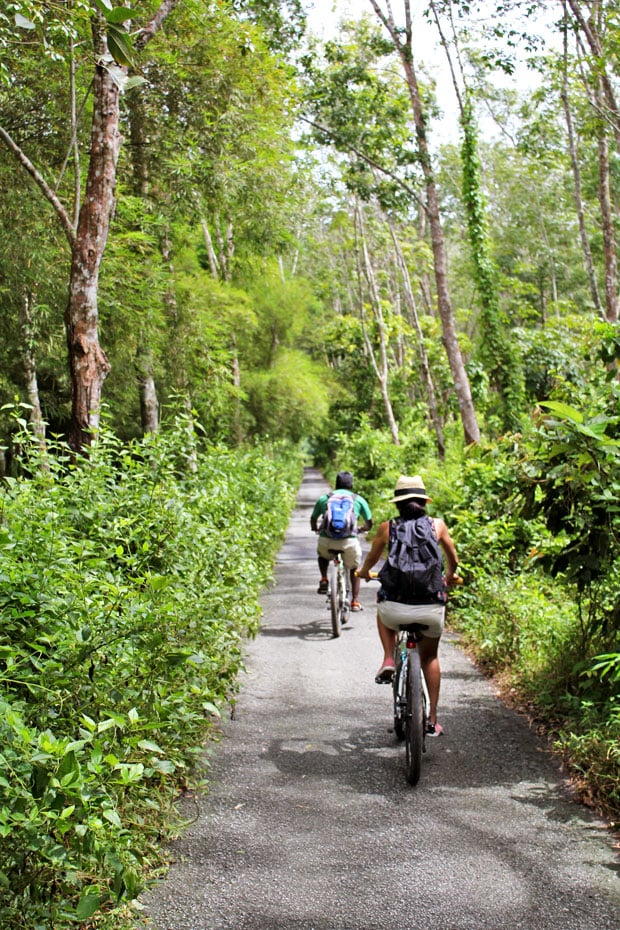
[334, 597]
[414, 720]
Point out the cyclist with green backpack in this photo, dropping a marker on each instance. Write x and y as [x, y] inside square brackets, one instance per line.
[339, 513]
[413, 586]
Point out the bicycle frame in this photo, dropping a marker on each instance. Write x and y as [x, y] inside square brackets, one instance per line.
[411, 700]
[338, 591]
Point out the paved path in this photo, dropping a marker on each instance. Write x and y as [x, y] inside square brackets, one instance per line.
[310, 824]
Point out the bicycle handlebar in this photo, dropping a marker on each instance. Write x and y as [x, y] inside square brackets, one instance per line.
[456, 579]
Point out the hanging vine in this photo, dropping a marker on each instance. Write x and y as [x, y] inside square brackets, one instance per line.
[500, 362]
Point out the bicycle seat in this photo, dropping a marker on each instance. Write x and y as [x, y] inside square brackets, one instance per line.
[413, 627]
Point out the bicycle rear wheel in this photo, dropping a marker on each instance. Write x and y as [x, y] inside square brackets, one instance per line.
[398, 690]
[414, 720]
[334, 597]
[345, 596]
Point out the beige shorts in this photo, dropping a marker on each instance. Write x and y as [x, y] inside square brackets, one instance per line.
[393, 614]
[350, 548]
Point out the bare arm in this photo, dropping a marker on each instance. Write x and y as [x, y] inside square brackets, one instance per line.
[446, 543]
[376, 550]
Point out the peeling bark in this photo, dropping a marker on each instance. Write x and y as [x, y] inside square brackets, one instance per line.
[88, 363]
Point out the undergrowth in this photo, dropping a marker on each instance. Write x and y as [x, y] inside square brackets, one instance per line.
[127, 583]
[541, 600]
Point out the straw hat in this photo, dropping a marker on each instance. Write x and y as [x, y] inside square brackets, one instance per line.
[408, 489]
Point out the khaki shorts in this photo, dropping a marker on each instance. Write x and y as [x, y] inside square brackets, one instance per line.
[393, 614]
[350, 548]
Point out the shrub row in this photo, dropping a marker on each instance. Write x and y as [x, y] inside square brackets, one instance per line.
[127, 582]
[535, 520]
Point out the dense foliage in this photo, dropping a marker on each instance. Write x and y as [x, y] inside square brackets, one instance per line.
[536, 520]
[128, 583]
[273, 268]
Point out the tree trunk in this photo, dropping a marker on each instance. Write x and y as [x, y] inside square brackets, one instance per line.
[607, 103]
[214, 267]
[426, 368]
[30, 370]
[87, 360]
[572, 148]
[381, 370]
[149, 402]
[444, 304]
[144, 366]
[607, 220]
[462, 387]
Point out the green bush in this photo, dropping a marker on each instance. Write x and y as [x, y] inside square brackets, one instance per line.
[127, 584]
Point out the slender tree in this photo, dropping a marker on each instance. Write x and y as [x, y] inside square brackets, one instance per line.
[424, 362]
[574, 158]
[380, 365]
[402, 40]
[111, 56]
[594, 22]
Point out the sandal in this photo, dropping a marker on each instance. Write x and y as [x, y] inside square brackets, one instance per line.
[386, 672]
[355, 606]
[433, 729]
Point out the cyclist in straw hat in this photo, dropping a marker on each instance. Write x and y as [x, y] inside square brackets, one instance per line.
[411, 499]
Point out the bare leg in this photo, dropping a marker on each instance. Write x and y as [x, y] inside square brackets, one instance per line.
[388, 640]
[355, 585]
[430, 666]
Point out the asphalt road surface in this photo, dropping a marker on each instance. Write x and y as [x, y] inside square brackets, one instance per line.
[309, 823]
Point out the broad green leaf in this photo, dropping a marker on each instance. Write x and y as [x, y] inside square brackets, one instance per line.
[563, 410]
[149, 746]
[87, 905]
[137, 81]
[119, 14]
[111, 815]
[120, 46]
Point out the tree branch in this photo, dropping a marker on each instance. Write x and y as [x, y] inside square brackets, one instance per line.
[369, 161]
[42, 184]
[145, 34]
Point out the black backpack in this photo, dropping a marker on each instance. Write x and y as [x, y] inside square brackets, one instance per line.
[413, 570]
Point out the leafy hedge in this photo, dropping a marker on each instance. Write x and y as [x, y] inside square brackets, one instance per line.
[536, 521]
[127, 582]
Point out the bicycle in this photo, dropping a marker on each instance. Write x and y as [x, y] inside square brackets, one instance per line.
[338, 591]
[410, 699]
